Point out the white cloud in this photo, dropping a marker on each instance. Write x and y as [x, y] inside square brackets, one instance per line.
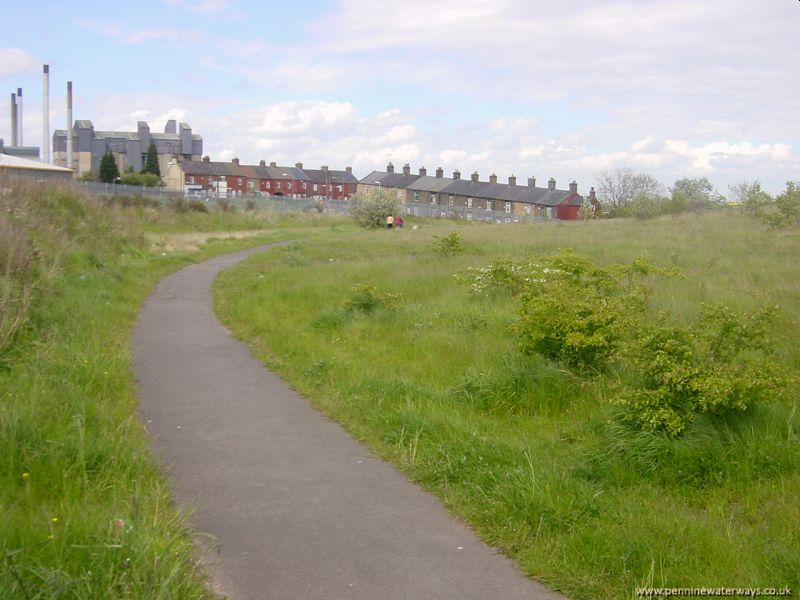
[202, 6]
[14, 61]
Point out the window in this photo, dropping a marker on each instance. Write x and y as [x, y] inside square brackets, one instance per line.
[508, 207]
[434, 198]
[399, 194]
[191, 178]
[450, 200]
[305, 185]
[338, 187]
[469, 205]
[528, 209]
[416, 196]
[489, 205]
[266, 185]
[316, 187]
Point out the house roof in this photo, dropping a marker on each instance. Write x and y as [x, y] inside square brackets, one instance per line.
[322, 176]
[427, 183]
[279, 172]
[373, 178]
[211, 169]
[15, 162]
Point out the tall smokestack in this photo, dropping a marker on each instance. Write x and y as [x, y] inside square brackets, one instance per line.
[46, 114]
[13, 119]
[69, 125]
[19, 116]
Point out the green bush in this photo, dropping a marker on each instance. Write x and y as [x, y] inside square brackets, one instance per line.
[717, 366]
[365, 299]
[503, 276]
[372, 209]
[140, 179]
[578, 313]
[448, 245]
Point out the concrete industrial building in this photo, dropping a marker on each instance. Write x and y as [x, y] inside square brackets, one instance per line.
[128, 147]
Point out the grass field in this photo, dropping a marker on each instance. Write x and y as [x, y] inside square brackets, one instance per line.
[85, 512]
[528, 452]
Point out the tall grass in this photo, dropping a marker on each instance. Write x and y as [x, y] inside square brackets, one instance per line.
[85, 511]
[526, 451]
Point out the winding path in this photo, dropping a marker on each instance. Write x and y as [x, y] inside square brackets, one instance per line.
[297, 508]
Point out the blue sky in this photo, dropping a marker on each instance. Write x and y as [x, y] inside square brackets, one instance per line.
[674, 88]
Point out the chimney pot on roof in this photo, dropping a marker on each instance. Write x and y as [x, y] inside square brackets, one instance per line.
[551, 183]
[492, 178]
[262, 163]
[423, 171]
[235, 161]
[206, 159]
[592, 195]
[573, 187]
[273, 163]
[298, 165]
[390, 168]
[324, 168]
[440, 172]
[348, 170]
[531, 182]
[512, 181]
[456, 174]
[475, 177]
[406, 169]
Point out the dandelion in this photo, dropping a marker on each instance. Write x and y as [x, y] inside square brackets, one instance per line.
[51, 537]
[26, 475]
[54, 520]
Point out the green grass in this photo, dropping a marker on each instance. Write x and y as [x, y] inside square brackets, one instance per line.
[528, 453]
[85, 511]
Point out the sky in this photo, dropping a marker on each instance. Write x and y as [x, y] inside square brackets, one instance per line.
[672, 88]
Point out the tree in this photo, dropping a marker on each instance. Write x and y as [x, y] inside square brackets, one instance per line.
[622, 186]
[109, 171]
[788, 207]
[372, 209]
[695, 193]
[151, 161]
[751, 197]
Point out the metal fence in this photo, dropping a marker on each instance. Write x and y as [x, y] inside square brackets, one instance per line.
[319, 205]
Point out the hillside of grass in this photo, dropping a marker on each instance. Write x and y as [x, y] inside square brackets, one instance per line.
[85, 511]
[380, 331]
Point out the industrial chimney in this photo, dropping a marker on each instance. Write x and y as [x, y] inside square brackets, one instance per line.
[19, 117]
[69, 125]
[46, 114]
[13, 119]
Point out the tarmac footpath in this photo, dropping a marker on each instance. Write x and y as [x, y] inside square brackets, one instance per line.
[295, 508]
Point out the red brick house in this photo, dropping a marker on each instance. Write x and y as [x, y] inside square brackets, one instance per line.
[329, 183]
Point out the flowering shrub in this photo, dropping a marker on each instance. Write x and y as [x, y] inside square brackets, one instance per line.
[502, 276]
[576, 312]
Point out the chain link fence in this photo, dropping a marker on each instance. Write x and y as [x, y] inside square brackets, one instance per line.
[318, 205]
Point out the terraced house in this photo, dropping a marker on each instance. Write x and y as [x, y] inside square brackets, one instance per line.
[203, 177]
[475, 199]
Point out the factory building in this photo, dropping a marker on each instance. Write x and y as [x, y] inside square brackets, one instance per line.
[128, 147]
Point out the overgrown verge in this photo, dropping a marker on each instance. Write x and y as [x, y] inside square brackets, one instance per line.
[533, 448]
[84, 510]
